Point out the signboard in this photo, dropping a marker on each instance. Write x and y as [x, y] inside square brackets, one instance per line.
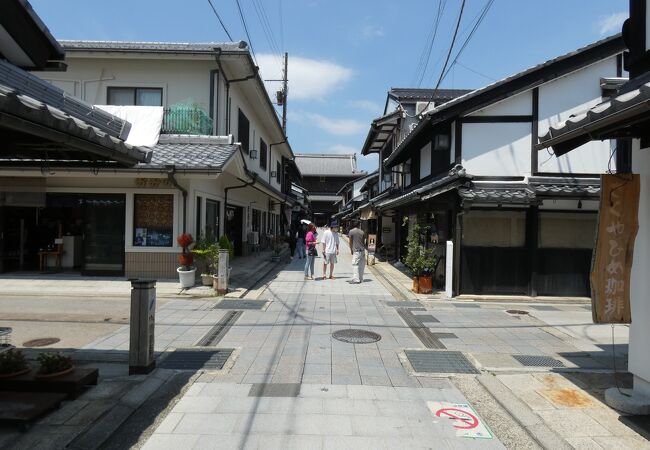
[612, 261]
[462, 417]
[372, 243]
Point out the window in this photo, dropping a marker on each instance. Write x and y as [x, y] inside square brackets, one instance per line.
[567, 230]
[494, 229]
[263, 152]
[134, 96]
[278, 168]
[212, 213]
[243, 131]
[153, 220]
[256, 220]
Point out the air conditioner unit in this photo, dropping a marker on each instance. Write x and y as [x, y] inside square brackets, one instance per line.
[422, 107]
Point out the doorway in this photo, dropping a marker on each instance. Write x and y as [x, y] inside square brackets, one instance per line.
[233, 227]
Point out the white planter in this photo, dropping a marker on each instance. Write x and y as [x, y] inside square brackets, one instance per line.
[186, 277]
[206, 279]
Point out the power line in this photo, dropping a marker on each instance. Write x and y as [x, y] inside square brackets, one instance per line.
[267, 29]
[281, 24]
[458, 63]
[220, 21]
[243, 21]
[425, 60]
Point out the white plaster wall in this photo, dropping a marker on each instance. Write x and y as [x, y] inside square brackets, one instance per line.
[571, 95]
[496, 148]
[639, 357]
[425, 161]
[520, 104]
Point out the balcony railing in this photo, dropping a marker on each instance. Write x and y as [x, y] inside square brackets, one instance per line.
[186, 121]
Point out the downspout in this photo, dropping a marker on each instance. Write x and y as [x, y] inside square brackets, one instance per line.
[214, 117]
[246, 184]
[171, 171]
[271, 155]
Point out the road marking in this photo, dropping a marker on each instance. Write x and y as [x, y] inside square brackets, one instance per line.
[463, 418]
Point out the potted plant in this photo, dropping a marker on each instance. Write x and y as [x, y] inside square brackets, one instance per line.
[276, 243]
[421, 261]
[226, 243]
[186, 272]
[206, 254]
[54, 365]
[13, 363]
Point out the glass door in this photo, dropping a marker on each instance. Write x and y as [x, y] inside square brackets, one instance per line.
[104, 216]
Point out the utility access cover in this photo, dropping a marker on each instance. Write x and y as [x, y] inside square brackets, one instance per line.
[428, 361]
[197, 359]
[538, 361]
[353, 336]
[240, 304]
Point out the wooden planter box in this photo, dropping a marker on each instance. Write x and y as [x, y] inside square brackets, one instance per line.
[23, 408]
[423, 284]
[72, 383]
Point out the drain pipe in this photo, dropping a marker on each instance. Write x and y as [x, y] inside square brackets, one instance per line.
[171, 171]
[246, 184]
[218, 51]
[271, 155]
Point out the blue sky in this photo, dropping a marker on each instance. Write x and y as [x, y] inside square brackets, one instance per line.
[345, 55]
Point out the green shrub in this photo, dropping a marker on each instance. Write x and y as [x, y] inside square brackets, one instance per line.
[224, 242]
[12, 361]
[206, 250]
[419, 259]
[53, 362]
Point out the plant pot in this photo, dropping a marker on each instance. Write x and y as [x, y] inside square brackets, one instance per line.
[186, 277]
[416, 284]
[15, 374]
[54, 374]
[207, 279]
[425, 284]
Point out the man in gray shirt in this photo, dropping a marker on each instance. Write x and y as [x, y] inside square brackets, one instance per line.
[358, 249]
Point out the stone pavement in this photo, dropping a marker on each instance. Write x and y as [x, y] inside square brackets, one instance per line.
[316, 392]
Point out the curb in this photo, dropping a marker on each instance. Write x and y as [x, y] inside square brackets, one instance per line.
[523, 415]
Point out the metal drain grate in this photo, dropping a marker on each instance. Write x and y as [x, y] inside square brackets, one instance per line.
[440, 362]
[545, 308]
[426, 318]
[421, 331]
[353, 336]
[466, 305]
[405, 304]
[218, 331]
[197, 359]
[240, 304]
[538, 361]
[517, 312]
[275, 390]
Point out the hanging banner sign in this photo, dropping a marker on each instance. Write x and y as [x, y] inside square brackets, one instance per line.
[612, 261]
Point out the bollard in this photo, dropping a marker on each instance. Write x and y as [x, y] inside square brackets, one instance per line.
[449, 270]
[223, 273]
[143, 318]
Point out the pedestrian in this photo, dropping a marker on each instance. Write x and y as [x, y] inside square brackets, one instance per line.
[291, 238]
[330, 249]
[300, 245]
[358, 249]
[310, 245]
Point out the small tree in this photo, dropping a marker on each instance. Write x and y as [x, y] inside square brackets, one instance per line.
[419, 259]
[206, 251]
[186, 258]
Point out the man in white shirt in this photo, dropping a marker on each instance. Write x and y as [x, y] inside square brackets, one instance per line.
[330, 249]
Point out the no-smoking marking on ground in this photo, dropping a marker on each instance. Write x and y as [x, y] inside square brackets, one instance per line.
[462, 417]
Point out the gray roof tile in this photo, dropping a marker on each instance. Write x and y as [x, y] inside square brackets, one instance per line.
[328, 164]
[153, 47]
[191, 156]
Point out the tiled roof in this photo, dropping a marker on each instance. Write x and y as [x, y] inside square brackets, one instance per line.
[340, 165]
[196, 153]
[85, 143]
[153, 47]
[531, 191]
[521, 194]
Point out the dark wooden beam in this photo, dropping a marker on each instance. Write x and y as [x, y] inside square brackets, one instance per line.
[497, 119]
[534, 131]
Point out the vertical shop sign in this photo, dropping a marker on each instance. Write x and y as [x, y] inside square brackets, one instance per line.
[612, 262]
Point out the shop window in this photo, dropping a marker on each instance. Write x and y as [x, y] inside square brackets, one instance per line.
[153, 220]
[494, 229]
[256, 220]
[278, 174]
[212, 215]
[129, 96]
[567, 230]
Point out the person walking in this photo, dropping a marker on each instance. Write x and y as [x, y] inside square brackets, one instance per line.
[358, 249]
[291, 238]
[310, 245]
[330, 249]
[300, 245]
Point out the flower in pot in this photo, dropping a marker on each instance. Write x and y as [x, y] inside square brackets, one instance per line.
[13, 363]
[186, 271]
[54, 364]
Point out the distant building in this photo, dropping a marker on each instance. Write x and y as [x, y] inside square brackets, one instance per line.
[323, 176]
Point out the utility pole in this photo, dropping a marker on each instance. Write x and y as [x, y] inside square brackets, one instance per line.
[284, 94]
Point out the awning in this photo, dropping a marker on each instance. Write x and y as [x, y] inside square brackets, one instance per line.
[426, 191]
[626, 115]
[380, 131]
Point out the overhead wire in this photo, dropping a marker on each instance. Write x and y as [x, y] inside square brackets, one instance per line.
[439, 14]
[243, 21]
[220, 21]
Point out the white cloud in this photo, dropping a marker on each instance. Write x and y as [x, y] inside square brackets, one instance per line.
[309, 79]
[366, 105]
[369, 31]
[612, 23]
[340, 127]
[341, 149]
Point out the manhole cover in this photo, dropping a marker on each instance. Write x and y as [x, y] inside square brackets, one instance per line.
[356, 336]
[41, 342]
[517, 312]
[440, 362]
[538, 361]
[545, 308]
